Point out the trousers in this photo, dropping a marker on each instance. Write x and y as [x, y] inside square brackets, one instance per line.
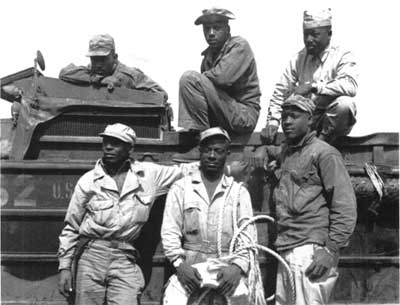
[107, 275]
[307, 292]
[202, 105]
[336, 119]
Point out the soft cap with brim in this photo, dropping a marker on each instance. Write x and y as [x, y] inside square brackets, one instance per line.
[317, 18]
[212, 132]
[121, 132]
[219, 13]
[101, 45]
[298, 101]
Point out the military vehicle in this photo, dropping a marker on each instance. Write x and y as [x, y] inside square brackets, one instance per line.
[53, 139]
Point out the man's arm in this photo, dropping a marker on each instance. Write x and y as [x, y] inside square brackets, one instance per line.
[283, 88]
[345, 81]
[140, 81]
[245, 212]
[232, 65]
[341, 200]
[73, 74]
[69, 236]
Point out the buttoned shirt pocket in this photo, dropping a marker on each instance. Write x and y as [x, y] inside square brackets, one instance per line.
[191, 224]
[142, 206]
[102, 211]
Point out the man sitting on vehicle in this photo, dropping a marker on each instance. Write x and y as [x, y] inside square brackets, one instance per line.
[226, 92]
[106, 70]
[323, 72]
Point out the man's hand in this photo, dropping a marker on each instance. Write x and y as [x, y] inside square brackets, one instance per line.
[323, 261]
[261, 157]
[229, 278]
[268, 134]
[304, 89]
[65, 282]
[111, 82]
[189, 277]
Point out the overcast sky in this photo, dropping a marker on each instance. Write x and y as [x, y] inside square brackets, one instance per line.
[160, 38]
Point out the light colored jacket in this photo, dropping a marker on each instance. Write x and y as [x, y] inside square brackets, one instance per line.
[98, 210]
[191, 219]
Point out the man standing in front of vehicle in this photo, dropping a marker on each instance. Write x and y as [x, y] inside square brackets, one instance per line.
[109, 206]
[325, 73]
[315, 207]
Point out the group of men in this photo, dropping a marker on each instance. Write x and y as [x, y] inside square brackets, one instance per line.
[313, 195]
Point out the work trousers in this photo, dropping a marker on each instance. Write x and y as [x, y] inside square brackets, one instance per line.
[107, 276]
[336, 119]
[202, 105]
[307, 292]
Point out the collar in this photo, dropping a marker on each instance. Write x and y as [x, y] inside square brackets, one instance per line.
[209, 50]
[196, 179]
[100, 172]
[304, 141]
[323, 54]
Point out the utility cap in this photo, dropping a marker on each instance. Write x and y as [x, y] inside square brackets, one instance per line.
[298, 101]
[214, 13]
[212, 132]
[101, 45]
[121, 132]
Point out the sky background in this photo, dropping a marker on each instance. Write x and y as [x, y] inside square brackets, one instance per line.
[160, 38]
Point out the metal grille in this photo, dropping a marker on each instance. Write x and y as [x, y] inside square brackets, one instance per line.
[145, 127]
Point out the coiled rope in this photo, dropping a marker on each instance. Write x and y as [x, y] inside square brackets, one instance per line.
[245, 243]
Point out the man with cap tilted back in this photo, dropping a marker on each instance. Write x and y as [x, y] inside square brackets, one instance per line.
[192, 220]
[107, 211]
[315, 207]
[106, 70]
[226, 92]
[325, 73]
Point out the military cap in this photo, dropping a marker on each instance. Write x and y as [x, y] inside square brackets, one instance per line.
[215, 12]
[121, 132]
[298, 101]
[101, 45]
[317, 18]
[212, 132]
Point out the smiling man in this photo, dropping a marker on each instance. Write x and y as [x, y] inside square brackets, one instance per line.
[226, 92]
[315, 207]
[325, 73]
[106, 70]
[109, 206]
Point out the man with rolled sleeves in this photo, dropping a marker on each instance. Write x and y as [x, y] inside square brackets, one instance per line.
[109, 206]
[226, 92]
[315, 207]
[106, 70]
[325, 73]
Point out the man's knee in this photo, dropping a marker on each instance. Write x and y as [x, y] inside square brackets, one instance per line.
[343, 105]
[189, 78]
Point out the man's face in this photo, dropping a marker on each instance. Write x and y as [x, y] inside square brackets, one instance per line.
[213, 154]
[216, 33]
[295, 124]
[317, 39]
[103, 65]
[115, 151]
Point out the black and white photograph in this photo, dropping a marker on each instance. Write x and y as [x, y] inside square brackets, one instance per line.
[204, 152]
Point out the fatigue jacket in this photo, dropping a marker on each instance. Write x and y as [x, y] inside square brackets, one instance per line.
[334, 71]
[99, 211]
[191, 219]
[234, 70]
[315, 200]
[131, 78]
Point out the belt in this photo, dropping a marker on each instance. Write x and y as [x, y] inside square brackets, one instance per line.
[114, 244]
